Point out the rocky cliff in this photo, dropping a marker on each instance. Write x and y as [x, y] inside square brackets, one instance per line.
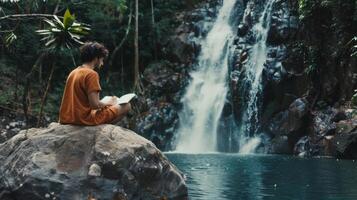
[308, 79]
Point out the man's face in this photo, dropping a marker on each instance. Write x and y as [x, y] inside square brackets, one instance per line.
[99, 63]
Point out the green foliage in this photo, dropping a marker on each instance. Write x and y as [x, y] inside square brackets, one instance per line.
[122, 7]
[9, 39]
[310, 60]
[64, 33]
[305, 8]
[354, 99]
[54, 100]
[107, 19]
[354, 46]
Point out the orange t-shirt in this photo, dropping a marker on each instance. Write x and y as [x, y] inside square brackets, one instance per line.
[75, 107]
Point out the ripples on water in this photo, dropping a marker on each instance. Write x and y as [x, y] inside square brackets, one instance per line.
[234, 176]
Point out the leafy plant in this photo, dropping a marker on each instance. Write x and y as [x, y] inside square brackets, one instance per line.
[66, 33]
[10, 38]
[354, 99]
[122, 7]
[311, 60]
[354, 46]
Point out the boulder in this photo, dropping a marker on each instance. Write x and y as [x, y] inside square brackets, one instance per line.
[290, 122]
[280, 145]
[76, 162]
[346, 126]
[346, 145]
[242, 30]
[323, 122]
[345, 140]
[322, 146]
[158, 124]
[302, 147]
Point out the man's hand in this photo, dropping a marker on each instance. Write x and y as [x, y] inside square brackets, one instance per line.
[113, 100]
[95, 103]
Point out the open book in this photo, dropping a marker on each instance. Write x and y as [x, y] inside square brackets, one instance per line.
[119, 100]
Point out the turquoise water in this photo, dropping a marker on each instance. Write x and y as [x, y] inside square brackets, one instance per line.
[232, 176]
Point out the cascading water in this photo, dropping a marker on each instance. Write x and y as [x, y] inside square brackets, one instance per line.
[206, 94]
[249, 138]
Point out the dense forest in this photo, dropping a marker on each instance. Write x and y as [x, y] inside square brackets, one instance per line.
[34, 69]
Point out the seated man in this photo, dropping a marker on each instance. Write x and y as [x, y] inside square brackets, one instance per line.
[80, 103]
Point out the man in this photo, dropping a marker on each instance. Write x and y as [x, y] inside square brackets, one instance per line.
[80, 103]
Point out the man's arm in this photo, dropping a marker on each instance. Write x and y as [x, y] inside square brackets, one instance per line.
[95, 103]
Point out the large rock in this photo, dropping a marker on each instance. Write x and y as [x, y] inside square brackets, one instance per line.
[345, 139]
[346, 145]
[323, 122]
[158, 124]
[291, 121]
[74, 162]
[162, 79]
[280, 145]
[287, 127]
[312, 146]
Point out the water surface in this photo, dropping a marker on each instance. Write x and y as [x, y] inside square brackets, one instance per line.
[234, 176]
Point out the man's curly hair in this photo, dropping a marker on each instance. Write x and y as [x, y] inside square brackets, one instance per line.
[92, 50]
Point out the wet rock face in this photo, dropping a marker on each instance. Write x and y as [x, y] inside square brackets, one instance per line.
[283, 24]
[279, 78]
[322, 130]
[280, 145]
[164, 81]
[345, 139]
[323, 122]
[287, 127]
[73, 162]
[183, 46]
[291, 120]
[159, 124]
[332, 133]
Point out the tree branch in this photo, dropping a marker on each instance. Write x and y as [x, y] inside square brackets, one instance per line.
[19, 16]
[123, 40]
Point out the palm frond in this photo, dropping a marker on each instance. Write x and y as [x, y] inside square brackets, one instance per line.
[63, 34]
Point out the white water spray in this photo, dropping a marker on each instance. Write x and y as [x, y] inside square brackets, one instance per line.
[254, 69]
[206, 93]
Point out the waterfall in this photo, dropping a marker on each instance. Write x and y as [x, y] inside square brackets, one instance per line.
[249, 136]
[206, 94]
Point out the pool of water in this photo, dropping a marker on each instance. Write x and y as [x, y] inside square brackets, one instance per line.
[234, 176]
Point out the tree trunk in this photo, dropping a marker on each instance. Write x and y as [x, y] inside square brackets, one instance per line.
[122, 69]
[117, 48]
[153, 28]
[45, 95]
[136, 47]
[25, 102]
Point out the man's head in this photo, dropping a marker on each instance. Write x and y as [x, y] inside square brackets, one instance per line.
[93, 52]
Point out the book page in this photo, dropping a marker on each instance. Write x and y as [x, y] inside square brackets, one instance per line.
[126, 98]
[122, 100]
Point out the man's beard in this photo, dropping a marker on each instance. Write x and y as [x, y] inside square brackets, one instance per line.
[97, 66]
